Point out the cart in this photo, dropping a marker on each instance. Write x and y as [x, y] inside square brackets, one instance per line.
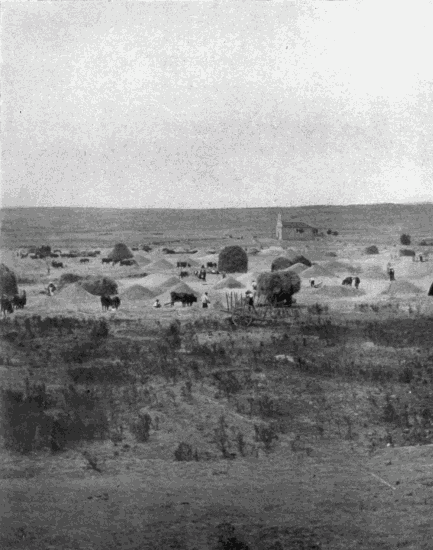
[243, 315]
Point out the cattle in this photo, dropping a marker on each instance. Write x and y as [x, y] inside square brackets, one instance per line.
[54, 255]
[57, 264]
[107, 302]
[347, 281]
[106, 260]
[19, 301]
[127, 262]
[183, 274]
[185, 298]
[212, 265]
[284, 299]
[84, 261]
[6, 305]
[182, 264]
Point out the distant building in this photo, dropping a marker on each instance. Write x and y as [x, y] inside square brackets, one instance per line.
[292, 231]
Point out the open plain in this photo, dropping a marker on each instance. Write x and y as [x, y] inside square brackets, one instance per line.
[174, 428]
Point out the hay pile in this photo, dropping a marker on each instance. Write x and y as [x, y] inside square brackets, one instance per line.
[299, 259]
[342, 267]
[161, 264]
[120, 252]
[272, 285]
[317, 271]
[281, 263]
[141, 259]
[172, 281]
[374, 272]
[402, 286]
[8, 281]
[68, 279]
[297, 268]
[335, 291]
[371, 250]
[229, 282]
[99, 285]
[137, 292]
[233, 259]
[406, 252]
[76, 295]
[182, 287]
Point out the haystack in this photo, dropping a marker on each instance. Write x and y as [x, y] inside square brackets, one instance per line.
[339, 291]
[374, 272]
[141, 259]
[99, 285]
[406, 252]
[165, 296]
[402, 286]
[371, 250]
[271, 286]
[68, 279]
[342, 267]
[8, 281]
[233, 259]
[120, 252]
[161, 264]
[297, 268]
[280, 263]
[172, 281]
[138, 292]
[299, 259]
[229, 282]
[76, 294]
[317, 271]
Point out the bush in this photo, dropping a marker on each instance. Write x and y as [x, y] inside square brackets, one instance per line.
[140, 429]
[405, 239]
[184, 453]
[335, 233]
[281, 263]
[406, 252]
[372, 249]
[329, 232]
[233, 259]
[8, 281]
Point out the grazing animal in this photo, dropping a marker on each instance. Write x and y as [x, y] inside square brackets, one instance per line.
[186, 299]
[212, 265]
[84, 261]
[6, 305]
[20, 301]
[107, 302]
[54, 255]
[347, 281]
[106, 260]
[357, 282]
[183, 274]
[430, 292]
[57, 264]
[127, 262]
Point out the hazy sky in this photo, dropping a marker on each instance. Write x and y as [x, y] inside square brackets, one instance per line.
[214, 104]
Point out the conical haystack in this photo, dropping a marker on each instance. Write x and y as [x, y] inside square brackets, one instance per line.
[316, 271]
[229, 282]
[172, 281]
[8, 281]
[137, 292]
[297, 268]
[402, 286]
[99, 285]
[141, 259]
[75, 294]
[120, 252]
[160, 264]
[165, 296]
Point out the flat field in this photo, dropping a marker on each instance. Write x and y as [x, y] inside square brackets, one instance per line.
[174, 428]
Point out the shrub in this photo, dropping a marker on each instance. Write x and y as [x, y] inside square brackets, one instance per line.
[406, 252]
[372, 249]
[405, 239]
[184, 453]
[329, 232]
[99, 330]
[8, 281]
[335, 233]
[140, 429]
[281, 263]
[266, 434]
[43, 251]
[233, 259]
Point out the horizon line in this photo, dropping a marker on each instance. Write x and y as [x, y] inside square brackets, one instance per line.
[215, 208]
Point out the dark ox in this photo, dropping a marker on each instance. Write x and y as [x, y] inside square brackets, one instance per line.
[186, 299]
[54, 255]
[212, 265]
[107, 302]
[19, 301]
[84, 261]
[6, 306]
[183, 264]
[127, 262]
[106, 260]
[347, 281]
[183, 274]
[57, 264]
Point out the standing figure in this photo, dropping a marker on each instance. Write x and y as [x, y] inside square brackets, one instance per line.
[157, 304]
[391, 274]
[357, 282]
[250, 300]
[205, 300]
[312, 281]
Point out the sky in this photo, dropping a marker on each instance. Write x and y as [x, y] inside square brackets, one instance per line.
[216, 104]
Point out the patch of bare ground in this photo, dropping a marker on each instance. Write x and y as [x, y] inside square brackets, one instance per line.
[189, 433]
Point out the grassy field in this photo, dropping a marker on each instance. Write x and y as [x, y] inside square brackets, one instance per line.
[175, 429]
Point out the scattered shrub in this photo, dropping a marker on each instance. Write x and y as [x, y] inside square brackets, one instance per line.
[8, 281]
[140, 429]
[372, 249]
[99, 286]
[233, 259]
[184, 453]
[99, 330]
[405, 239]
[266, 434]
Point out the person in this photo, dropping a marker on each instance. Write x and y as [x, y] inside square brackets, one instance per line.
[157, 303]
[421, 258]
[391, 274]
[254, 285]
[357, 282]
[250, 300]
[51, 289]
[205, 300]
[312, 281]
[202, 273]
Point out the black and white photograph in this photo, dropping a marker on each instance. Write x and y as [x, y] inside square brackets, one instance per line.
[216, 275]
